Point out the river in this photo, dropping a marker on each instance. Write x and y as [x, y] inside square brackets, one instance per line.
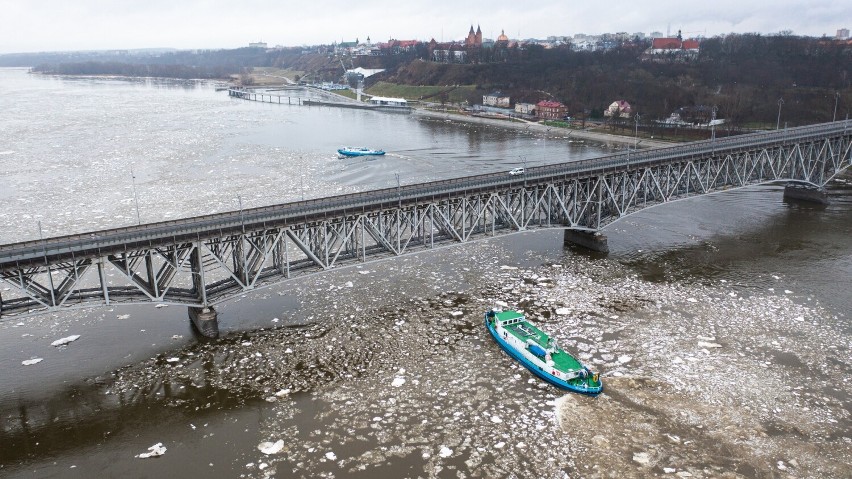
[720, 324]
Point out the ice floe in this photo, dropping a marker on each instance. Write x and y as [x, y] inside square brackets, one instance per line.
[154, 451]
[271, 447]
[66, 340]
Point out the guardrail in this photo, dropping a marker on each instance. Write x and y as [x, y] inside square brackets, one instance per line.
[198, 227]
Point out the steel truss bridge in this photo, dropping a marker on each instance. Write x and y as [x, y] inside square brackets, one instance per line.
[202, 261]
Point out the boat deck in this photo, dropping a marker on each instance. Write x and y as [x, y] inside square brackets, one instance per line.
[524, 331]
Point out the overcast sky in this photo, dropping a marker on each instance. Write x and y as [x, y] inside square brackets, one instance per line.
[56, 25]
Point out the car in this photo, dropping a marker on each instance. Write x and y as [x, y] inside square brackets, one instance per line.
[516, 171]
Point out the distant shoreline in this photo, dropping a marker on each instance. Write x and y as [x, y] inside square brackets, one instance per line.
[550, 131]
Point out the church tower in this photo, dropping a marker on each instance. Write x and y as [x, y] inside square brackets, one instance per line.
[471, 37]
[478, 36]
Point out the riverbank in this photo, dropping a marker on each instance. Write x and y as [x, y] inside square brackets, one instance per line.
[541, 129]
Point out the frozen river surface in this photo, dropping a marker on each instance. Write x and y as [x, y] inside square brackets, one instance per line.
[720, 324]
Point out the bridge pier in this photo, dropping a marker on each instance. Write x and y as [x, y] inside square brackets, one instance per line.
[205, 321]
[805, 193]
[593, 240]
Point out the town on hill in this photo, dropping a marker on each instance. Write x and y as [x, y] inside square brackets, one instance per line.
[739, 80]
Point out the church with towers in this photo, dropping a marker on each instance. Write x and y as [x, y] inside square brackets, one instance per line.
[474, 39]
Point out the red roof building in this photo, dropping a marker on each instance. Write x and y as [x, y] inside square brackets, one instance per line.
[550, 110]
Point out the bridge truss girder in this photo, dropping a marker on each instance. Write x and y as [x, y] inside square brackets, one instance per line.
[211, 270]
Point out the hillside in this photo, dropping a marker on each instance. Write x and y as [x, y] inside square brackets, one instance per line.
[742, 75]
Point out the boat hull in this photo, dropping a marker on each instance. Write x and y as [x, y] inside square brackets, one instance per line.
[346, 152]
[560, 383]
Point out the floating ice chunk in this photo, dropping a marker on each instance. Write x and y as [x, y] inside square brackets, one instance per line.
[283, 392]
[563, 311]
[456, 314]
[172, 360]
[705, 344]
[398, 381]
[642, 458]
[161, 305]
[349, 284]
[246, 343]
[800, 318]
[30, 362]
[270, 447]
[787, 291]
[66, 340]
[330, 456]
[623, 359]
[123, 316]
[363, 272]
[669, 470]
[504, 267]
[692, 300]
[154, 451]
[496, 419]
[445, 451]
[288, 351]
[502, 304]
[781, 466]
[500, 445]
[262, 466]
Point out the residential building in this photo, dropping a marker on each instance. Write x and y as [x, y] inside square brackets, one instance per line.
[497, 99]
[842, 34]
[619, 109]
[525, 108]
[550, 110]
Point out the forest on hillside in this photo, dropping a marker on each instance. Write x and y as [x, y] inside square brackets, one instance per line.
[743, 76]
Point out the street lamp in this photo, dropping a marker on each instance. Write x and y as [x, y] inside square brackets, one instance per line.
[713, 129]
[398, 190]
[778, 121]
[242, 220]
[836, 97]
[135, 199]
[636, 131]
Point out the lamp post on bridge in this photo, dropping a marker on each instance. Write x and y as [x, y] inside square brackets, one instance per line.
[836, 97]
[778, 121]
[135, 198]
[398, 190]
[713, 129]
[242, 220]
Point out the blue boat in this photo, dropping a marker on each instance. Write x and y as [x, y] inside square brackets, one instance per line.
[350, 151]
[539, 353]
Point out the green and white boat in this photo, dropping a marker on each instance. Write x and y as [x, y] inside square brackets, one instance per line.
[539, 353]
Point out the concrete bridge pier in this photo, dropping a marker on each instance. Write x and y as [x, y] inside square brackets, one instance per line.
[205, 321]
[805, 193]
[593, 240]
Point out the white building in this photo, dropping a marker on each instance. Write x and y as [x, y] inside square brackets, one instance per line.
[386, 101]
[525, 108]
[497, 99]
